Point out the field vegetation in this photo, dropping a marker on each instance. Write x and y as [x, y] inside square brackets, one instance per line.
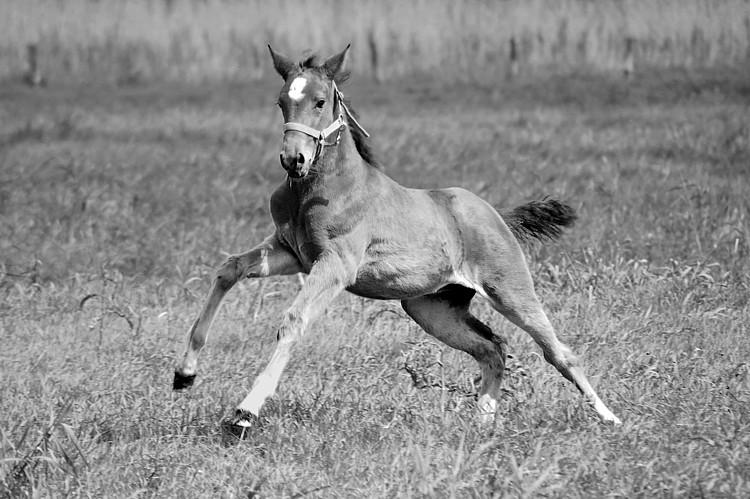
[122, 190]
[132, 41]
[116, 206]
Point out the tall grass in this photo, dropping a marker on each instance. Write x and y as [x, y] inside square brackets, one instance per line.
[135, 40]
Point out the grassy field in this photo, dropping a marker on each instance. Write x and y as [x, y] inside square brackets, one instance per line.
[116, 205]
[130, 42]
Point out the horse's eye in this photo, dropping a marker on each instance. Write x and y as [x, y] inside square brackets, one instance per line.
[320, 104]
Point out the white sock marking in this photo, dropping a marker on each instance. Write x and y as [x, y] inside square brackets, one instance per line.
[296, 88]
[265, 269]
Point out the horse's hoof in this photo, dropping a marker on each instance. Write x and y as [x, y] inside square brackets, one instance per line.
[243, 419]
[181, 381]
[239, 425]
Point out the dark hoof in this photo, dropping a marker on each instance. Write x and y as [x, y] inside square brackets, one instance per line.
[181, 382]
[240, 424]
[243, 419]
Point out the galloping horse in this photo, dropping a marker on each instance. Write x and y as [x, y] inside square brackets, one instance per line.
[347, 225]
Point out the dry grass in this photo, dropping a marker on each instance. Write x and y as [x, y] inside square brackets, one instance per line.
[132, 41]
[115, 208]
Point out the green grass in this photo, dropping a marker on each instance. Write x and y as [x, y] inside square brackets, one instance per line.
[116, 206]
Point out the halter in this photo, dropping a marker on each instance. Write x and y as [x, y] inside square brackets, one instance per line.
[338, 125]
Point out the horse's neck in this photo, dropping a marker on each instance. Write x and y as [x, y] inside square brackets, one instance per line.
[337, 169]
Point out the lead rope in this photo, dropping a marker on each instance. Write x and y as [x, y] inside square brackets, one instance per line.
[349, 115]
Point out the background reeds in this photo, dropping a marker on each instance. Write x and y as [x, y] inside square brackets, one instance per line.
[131, 41]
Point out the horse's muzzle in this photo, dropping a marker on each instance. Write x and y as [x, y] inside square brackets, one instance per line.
[295, 167]
[296, 156]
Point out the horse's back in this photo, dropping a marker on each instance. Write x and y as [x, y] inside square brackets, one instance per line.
[475, 218]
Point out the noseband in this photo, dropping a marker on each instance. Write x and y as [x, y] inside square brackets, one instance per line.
[338, 125]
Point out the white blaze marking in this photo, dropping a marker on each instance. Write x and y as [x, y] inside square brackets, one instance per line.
[296, 88]
[265, 269]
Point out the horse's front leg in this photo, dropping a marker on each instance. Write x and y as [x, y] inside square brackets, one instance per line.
[328, 277]
[266, 259]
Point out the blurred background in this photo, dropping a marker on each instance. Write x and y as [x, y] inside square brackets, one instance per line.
[133, 41]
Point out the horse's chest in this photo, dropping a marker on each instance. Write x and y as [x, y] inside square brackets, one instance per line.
[309, 237]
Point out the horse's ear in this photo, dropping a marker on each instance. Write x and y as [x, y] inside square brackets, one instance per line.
[282, 64]
[334, 66]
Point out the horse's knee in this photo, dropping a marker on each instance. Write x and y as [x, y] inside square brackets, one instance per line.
[292, 327]
[227, 274]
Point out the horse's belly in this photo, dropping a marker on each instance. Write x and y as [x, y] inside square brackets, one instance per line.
[390, 281]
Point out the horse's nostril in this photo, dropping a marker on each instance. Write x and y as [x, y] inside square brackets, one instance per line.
[301, 159]
[281, 158]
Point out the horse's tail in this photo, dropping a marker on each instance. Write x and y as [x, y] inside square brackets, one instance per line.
[539, 220]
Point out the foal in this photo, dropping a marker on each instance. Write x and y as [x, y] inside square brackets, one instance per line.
[347, 225]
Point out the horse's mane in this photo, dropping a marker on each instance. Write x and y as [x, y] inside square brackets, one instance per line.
[361, 142]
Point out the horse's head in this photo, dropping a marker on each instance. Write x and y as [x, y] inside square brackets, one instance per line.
[310, 103]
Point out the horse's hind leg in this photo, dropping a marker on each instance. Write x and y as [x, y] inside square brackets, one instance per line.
[515, 298]
[445, 315]
[268, 258]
